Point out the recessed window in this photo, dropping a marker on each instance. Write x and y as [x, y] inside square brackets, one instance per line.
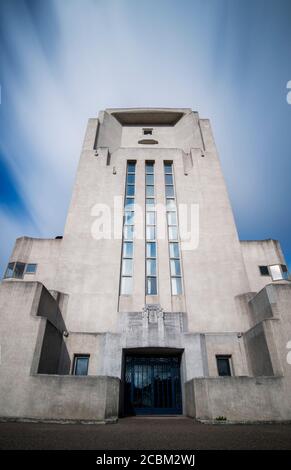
[276, 272]
[19, 270]
[81, 364]
[9, 271]
[30, 268]
[147, 131]
[264, 270]
[223, 366]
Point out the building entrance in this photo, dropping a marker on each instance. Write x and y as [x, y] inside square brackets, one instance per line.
[152, 384]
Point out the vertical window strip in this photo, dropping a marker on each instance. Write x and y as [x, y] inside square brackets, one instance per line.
[172, 225]
[128, 232]
[150, 231]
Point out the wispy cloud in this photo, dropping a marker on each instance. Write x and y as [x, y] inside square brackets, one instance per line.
[62, 61]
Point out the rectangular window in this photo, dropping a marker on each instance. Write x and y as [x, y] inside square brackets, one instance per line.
[9, 271]
[173, 232]
[223, 366]
[264, 270]
[19, 270]
[151, 250]
[126, 280]
[276, 272]
[30, 268]
[150, 229]
[81, 364]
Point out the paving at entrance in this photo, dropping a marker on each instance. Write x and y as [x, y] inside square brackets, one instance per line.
[145, 433]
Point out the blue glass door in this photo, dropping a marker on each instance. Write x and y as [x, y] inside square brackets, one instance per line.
[152, 385]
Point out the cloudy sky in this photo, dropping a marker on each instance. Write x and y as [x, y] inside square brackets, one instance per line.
[61, 61]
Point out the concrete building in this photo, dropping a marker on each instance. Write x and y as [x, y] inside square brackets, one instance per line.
[116, 317]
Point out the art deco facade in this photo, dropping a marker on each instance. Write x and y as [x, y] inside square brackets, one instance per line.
[94, 327]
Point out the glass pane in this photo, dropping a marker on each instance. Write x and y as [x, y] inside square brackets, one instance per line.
[130, 167]
[9, 270]
[129, 218]
[130, 190]
[128, 232]
[168, 167]
[151, 286]
[173, 233]
[150, 192]
[276, 272]
[223, 366]
[151, 250]
[81, 365]
[151, 267]
[127, 250]
[174, 250]
[19, 270]
[131, 179]
[176, 285]
[172, 218]
[171, 205]
[149, 167]
[150, 203]
[126, 285]
[150, 233]
[30, 268]
[169, 179]
[169, 191]
[175, 267]
[149, 179]
[150, 218]
[129, 203]
[127, 267]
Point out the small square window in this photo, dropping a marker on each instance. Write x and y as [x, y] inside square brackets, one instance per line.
[150, 203]
[131, 179]
[129, 218]
[9, 271]
[81, 364]
[147, 131]
[264, 270]
[173, 233]
[128, 231]
[172, 218]
[170, 192]
[223, 366]
[169, 179]
[30, 268]
[129, 202]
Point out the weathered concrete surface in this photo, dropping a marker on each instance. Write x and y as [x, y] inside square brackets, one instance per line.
[145, 434]
[238, 399]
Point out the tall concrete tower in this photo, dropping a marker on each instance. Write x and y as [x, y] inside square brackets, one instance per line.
[149, 303]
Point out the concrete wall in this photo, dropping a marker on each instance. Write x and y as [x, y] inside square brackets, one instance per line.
[30, 337]
[260, 253]
[238, 399]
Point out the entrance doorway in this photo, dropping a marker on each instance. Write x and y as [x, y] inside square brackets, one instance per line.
[152, 384]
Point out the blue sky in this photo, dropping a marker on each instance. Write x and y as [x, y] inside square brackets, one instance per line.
[61, 61]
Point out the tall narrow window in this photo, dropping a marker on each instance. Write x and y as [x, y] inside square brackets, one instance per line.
[128, 231]
[173, 235]
[150, 229]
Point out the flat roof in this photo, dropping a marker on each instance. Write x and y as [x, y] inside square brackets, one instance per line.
[148, 116]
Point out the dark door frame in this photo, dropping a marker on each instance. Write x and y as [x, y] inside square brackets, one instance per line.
[143, 352]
